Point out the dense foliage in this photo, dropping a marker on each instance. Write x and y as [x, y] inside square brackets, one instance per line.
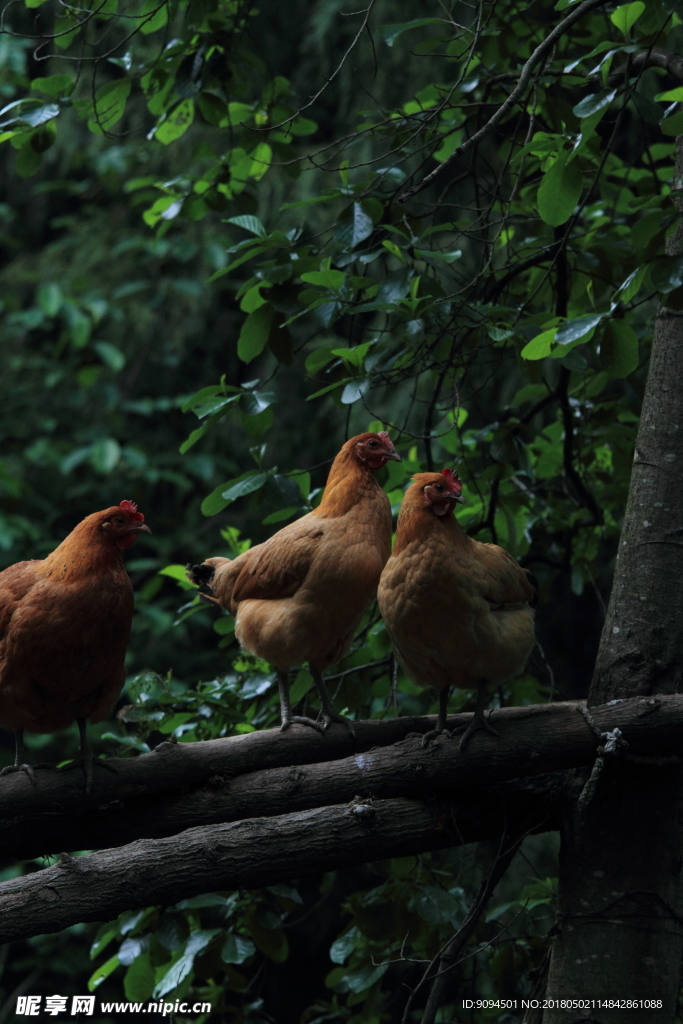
[209, 279]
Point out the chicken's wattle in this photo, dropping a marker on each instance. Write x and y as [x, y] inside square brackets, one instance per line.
[126, 541]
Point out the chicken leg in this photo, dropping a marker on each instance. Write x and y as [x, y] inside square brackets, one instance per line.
[327, 711]
[87, 759]
[286, 708]
[480, 721]
[20, 764]
[441, 718]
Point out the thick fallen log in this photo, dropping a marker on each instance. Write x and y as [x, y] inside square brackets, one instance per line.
[534, 740]
[256, 852]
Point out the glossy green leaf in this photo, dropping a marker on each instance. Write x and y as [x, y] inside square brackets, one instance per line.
[180, 969]
[353, 227]
[138, 981]
[595, 103]
[254, 333]
[559, 191]
[228, 492]
[176, 123]
[332, 279]
[572, 330]
[109, 105]
[390, 33]
[627, 15]
[103, 972]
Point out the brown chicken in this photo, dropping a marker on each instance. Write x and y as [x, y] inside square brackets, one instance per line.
[459, 612]
[299, 596]
[64, 628]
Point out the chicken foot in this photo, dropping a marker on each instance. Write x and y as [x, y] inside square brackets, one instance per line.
[20, 764]
[87, 759]
[286, 708]
[480, 720]
[329, 715]
[441, 718]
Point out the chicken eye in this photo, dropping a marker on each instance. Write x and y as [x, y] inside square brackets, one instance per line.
[438, 487]
[119, 519]
[373, 444]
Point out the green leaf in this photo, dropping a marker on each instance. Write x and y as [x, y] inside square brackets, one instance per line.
[673, 125]
[178, 573]
[109, 105]
[626, 16]
[249, 223]
[354, 390]
[353, 227]
[232, 490]
[98, 976]
[572, 330]
[54, 85]
[157, 16]
[353, 356]
[539, 347]
[106, 933]
[138, 981]
[332, 279]
[342, 948]
[595, 103]
[302, 126]
[254, 333]
[671, 95]
[179, 970]
[559, 191]
[619, 349]
[176, 123]
[236, 263]
[261, 159]
[105, 455]
[330, 387]
[50, 299]
[236, 949]
[666, 273]
[28, 161]
[278, 517]
[224, 626]
[254, 402]
[390, 33]
[447, 257]
[110, 354]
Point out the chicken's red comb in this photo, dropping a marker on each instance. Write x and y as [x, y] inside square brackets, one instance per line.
[385, 436]
[131, 507]
[452, 479]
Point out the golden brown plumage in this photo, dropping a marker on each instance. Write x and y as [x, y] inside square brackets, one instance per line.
[64, 628]
[459, 612]
[300, 595]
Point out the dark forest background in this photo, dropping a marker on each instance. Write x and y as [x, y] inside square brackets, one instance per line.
[182, 244]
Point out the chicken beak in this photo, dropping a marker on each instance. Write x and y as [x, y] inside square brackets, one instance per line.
[393, 455]
[456, 498]
[138, 528]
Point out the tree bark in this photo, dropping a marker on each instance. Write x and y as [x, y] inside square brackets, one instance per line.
[243, 854]
[534, 740]
[620, 931]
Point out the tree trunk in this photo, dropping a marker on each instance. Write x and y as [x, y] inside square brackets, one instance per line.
[620, 931]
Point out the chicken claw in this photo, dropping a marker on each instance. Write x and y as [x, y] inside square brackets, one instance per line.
[286, 709]
[20, 764]
[480, 721]
[327, 712]
[440, 729]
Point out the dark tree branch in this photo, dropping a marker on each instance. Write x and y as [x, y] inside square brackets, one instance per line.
[244, 854]
[294, 820]
[450, 954]
[536, 57]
